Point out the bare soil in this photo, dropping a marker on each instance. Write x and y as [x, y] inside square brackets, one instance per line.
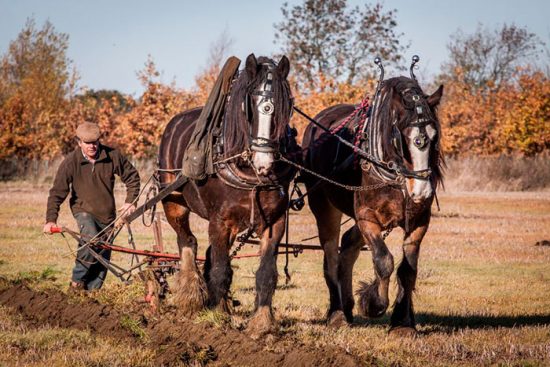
[177, 341]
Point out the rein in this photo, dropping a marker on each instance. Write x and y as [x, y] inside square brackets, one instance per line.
[398, 169]
[392, 170]
[359, 151]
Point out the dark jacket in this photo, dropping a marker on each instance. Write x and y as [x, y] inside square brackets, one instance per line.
[91, 185]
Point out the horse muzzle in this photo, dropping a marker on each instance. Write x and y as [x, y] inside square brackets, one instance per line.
[420, 191]
[263, 162]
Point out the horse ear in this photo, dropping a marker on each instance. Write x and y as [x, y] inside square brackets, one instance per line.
[435, 98]
[284, 66]
[251, 66]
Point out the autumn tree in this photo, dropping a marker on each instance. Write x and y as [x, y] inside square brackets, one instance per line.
[98, 97]
[513, 119]
[487, 58]
[218, 53]
[328, 39]
[35, 81]
[525, 114]
[495, 102]
[138, 131]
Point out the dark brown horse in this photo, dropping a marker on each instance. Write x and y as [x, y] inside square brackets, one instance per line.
[403, 129]
[248, 191]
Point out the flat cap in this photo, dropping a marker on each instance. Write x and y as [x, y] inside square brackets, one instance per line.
[88, 132]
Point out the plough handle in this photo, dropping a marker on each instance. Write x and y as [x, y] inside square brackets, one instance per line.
[56, 230]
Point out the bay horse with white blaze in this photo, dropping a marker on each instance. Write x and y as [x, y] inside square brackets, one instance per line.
[402, 136]
[249, 190]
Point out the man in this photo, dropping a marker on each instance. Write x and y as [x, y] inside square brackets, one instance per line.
[88, 173]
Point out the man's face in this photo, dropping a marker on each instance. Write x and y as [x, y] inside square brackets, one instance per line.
[89, 149]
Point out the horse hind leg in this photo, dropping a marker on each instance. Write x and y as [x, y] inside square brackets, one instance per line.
[190, 292]
[352, 242]
[374, 298]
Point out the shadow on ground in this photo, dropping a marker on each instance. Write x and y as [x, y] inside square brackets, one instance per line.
[448, 323]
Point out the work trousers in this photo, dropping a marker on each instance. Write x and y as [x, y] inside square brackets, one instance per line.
[88, 271]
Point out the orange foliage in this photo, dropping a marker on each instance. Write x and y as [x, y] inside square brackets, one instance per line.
[138, 131]
[525, 125]
[39, 111]
[29, 131]
[513, 118]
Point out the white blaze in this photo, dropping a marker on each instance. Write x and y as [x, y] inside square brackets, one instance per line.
[264, 160]
[421, 189]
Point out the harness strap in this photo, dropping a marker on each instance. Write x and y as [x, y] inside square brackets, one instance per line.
[179, 182]
[358, 150]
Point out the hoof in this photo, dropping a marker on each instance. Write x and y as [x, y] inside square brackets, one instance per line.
[403, 332]
[225, 306]
[370, 303]
[349, 317]
[261, 323]
[337, 320]
[190, 293]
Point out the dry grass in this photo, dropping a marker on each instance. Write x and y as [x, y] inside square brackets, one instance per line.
[482, 297]
[499, 173]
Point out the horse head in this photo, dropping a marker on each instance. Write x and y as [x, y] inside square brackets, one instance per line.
[263, 103]
[410, 133]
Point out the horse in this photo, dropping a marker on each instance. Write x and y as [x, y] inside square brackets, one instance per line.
[248, 191]
[395, 188]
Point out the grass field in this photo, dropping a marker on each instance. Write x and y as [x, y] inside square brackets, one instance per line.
[483, 291]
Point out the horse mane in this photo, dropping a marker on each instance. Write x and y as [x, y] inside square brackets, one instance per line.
[389, 94]
[237, 128]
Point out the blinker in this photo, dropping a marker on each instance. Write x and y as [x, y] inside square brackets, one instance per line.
[267, 108]
[420, 141]
[397, 141]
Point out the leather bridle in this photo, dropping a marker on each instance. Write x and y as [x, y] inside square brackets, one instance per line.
[227, 168]
[422, 139]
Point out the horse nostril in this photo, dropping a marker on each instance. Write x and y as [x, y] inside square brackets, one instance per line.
[264, 171]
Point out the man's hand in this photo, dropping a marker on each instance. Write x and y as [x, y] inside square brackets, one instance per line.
[48, 227]
[127, 209]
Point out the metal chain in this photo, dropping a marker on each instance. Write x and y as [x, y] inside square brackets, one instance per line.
[387, 233]
[242, 241]
[347, 187]
[237, 249]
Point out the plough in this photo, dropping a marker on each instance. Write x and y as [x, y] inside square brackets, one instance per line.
[154, 266]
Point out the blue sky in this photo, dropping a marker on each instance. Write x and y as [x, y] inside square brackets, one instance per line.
[110, 40]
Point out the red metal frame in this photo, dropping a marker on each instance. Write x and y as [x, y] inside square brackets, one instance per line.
[153, 254]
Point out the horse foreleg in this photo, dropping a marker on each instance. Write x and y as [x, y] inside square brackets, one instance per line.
[352, 242]
[263, 321]
[402, 319]
[374, 298]
[220, 274]
[190, 293]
